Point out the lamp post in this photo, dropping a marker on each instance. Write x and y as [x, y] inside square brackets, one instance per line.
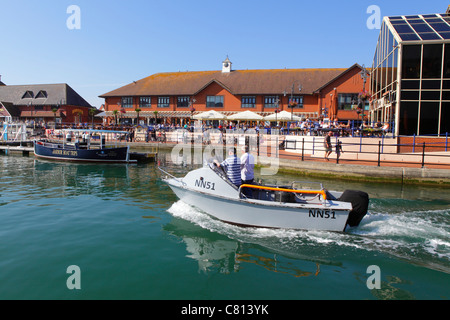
[191, 108]
[118, 110]
[54, 110]
[364, 76]
[333, 105]
[31, 112]
[363, 96]
[292, 104]
[277, 102]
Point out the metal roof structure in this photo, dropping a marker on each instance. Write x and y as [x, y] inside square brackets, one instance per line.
[427, 27]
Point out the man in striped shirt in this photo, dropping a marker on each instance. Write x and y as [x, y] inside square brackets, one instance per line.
[232, 166]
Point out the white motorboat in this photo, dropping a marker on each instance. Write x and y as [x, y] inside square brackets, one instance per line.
[268, 206]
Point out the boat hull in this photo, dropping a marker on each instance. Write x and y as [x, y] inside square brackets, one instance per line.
[256, 213]
[55, 152]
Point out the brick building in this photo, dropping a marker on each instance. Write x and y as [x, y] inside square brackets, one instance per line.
[176, 96]
[43, 103]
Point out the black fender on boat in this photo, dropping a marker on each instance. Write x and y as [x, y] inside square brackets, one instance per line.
[360, 204]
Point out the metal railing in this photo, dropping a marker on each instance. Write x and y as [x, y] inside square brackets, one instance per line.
[422, 154]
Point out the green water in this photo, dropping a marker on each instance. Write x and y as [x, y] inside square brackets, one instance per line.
[132, 239]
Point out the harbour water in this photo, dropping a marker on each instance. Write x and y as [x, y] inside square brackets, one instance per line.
[132, 239]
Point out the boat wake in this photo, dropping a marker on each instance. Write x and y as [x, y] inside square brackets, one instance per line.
[420, 237]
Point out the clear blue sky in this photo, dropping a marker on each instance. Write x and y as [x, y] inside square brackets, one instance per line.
[122, 41]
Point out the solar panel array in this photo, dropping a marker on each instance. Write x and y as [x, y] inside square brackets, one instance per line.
[423, 27]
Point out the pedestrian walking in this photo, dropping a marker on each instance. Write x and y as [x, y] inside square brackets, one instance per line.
[338, 150]
[327, 145]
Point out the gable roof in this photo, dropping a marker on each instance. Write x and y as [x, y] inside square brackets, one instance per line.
[340, 75]
[238, 82]
[42, 94]
[7, 109]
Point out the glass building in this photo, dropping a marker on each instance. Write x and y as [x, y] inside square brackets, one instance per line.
[410, 77]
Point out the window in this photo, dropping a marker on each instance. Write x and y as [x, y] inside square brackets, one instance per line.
[41, 94]
[248, 101]
[431, 84]
[411, 84]
[127, 102]
[183, 102]
[431, 95]
[347, 100]
[432, 61]
[445, 115]
[28, 95]
[409, 112]
[409, 95]
[270, 101]
[145, 102]
[298, 100]
[411, 62]
[445, 95]
[446, 84]
[214, 101]
[447, 61]
[429, 118]
[163, 102]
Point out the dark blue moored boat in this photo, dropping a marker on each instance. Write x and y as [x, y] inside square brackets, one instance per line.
[83, 150]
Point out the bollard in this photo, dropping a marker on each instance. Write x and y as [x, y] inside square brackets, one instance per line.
[379, 152]
[303, 149]
[446, 141]
[423, 155]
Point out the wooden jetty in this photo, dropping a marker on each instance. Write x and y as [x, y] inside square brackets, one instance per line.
[16, 149]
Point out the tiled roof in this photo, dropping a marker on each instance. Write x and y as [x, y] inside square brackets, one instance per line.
[238, 82]
[42, 94]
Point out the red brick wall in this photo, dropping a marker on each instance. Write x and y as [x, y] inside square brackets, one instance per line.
[231, 102]
[72, 111]
[69, 110]
[350, 82]
[111, 103]
[431, 144]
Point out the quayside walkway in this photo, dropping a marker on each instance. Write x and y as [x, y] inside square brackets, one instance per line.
[400, 160]
[370, 159]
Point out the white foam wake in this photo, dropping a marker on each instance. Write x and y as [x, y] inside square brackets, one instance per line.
[417, 236]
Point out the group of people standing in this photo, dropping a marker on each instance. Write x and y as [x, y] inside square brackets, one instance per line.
[329, 147]
[239, 170]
